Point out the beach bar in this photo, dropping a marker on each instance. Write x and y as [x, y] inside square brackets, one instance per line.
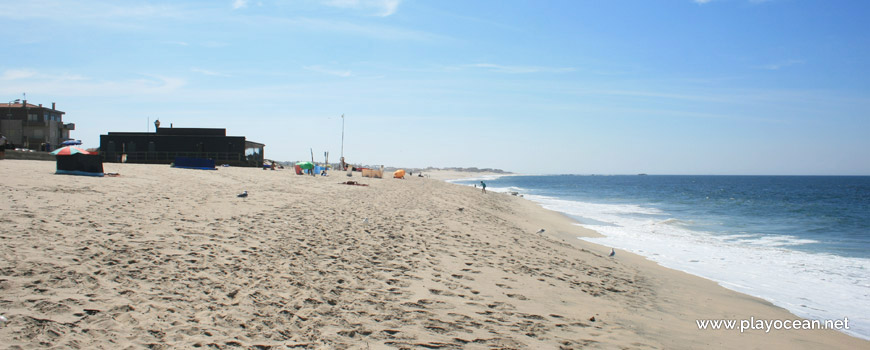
[164, 145]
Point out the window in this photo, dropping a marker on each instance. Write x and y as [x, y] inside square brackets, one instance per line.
[32, 117]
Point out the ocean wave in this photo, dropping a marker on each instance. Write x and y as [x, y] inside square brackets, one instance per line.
[600, 212]
[777, 241]
[755, 264]
[672, 221]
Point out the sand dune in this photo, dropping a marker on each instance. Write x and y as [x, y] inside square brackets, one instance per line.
[171, 258]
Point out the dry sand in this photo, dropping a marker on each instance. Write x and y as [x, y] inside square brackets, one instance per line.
[171, 258]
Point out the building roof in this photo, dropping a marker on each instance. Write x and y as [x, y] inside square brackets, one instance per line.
[29, 105]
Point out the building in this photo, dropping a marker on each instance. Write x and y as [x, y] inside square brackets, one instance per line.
[162, 146]
[33, 126]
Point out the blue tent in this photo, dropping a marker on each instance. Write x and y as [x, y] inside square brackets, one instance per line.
[194, 163]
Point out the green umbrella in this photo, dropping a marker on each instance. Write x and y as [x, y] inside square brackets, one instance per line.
[306, 165]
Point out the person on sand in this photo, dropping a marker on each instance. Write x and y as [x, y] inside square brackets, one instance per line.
[483, 185]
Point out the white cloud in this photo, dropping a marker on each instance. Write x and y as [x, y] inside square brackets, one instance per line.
[751, 1]
[519, 69]
[237, 4]
[208, 72]
[368, 30]
[780, 65]
[381, 8]
[214, 44]
[389, 7]
[57, 10]
[338, 73]
[77, 85]
[14, 74]
[29, 74]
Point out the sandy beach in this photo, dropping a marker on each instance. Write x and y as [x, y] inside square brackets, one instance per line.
[167, 258]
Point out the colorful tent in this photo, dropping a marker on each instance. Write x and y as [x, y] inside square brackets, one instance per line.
[68, 151]
[399, 174]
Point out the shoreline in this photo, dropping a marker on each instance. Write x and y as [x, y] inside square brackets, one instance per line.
[171, 257]
[589, 235]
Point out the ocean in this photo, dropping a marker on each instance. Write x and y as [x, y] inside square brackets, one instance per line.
[800, 242]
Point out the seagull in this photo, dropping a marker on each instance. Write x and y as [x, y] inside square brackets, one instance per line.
[243, 194]
[540, 231]
[612, 252]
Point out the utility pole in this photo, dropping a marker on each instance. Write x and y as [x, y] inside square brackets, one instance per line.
[342, 141]
[312, 162]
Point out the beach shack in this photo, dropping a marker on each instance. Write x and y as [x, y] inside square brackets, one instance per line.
[166, 144]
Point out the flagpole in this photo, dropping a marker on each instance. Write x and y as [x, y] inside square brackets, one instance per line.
[342, 140]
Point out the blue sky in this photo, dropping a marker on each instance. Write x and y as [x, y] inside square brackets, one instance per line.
[605, 87]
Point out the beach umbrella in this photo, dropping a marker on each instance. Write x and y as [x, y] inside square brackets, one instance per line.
[68, 151]
[71, 143]
[305, 165]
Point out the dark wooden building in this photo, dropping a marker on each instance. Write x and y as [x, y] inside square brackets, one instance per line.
[163, 146]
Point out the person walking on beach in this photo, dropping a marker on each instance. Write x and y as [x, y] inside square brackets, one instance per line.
[483, 185]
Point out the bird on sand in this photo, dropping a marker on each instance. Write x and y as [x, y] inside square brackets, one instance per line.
[243, 194]
[540, 231]
[366, 221]
[612, 252]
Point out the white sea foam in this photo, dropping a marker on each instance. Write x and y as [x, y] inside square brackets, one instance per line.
[504, 189]
[814, 286]
[777, 241]
[672, 221]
